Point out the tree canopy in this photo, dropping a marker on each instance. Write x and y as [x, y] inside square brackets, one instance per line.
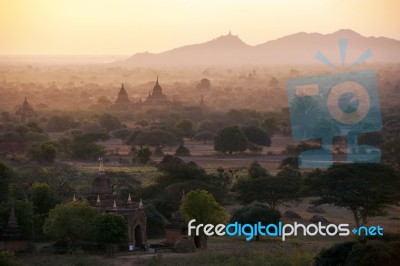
[256, 170]
[273, 190]
[109, 122]
[230, 139]
[71, 221]
[5, 175]
[364, 189]
[185, 128]
[109, 229]
[257, 135]
[202, 206]
[43, 152]
[154, 138]
[254, 213]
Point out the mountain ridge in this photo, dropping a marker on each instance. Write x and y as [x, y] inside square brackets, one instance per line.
[297, 48]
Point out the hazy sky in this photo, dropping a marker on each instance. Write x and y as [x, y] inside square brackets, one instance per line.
[129, 26]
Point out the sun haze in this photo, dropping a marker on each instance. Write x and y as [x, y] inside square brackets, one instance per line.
[100, 27]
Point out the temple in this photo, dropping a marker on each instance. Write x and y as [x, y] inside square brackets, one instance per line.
[11, 238]
[156, 100]
[177, 227]
[122, 101]
[103, 199]
[25, 113]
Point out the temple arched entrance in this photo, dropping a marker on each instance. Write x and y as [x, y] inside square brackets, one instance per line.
[138, 236]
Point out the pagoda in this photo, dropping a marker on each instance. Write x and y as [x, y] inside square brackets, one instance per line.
[122, 101]
[25, 113]
[11, 238]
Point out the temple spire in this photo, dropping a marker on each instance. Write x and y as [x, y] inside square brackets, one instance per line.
[115, 205]
[101, 166]
[140, 204]
[129, 198]
[12, 220]
[25, 104]
[74, 198]
[183, 196]
[98, 202]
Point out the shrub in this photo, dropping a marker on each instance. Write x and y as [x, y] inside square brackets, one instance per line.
[366, 252]
[335, 255]
[182, 151]
[375, 252]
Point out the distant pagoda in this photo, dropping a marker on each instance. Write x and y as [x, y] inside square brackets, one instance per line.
[122, 101]
[25, 113]
[11, 237]
[156, 100]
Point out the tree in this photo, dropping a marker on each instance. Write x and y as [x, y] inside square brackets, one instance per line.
[391, 151]
[256, 170]
[103, 100]
[121, 134]
[143, 155]
[43, 152]
[110, 229]
[153, 138]
[201, 205]
[71, 221]
[230, 139]
[61, 123]
[182, 151]
[305, 113]
[142, 123]
[206, 125]
[176, 170]
[155, 222]
[42, 198]
[109, 122]
[270, 125]
[254, 213]
[295, 151]
[84, 147]
[6, 117]
[185, 127]
[204, 136]
[290, 161]
[204, 84]
[170, 196]
[364, 189]
[5, 175]
[257, 135]
[222, 178]
[273, 190]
